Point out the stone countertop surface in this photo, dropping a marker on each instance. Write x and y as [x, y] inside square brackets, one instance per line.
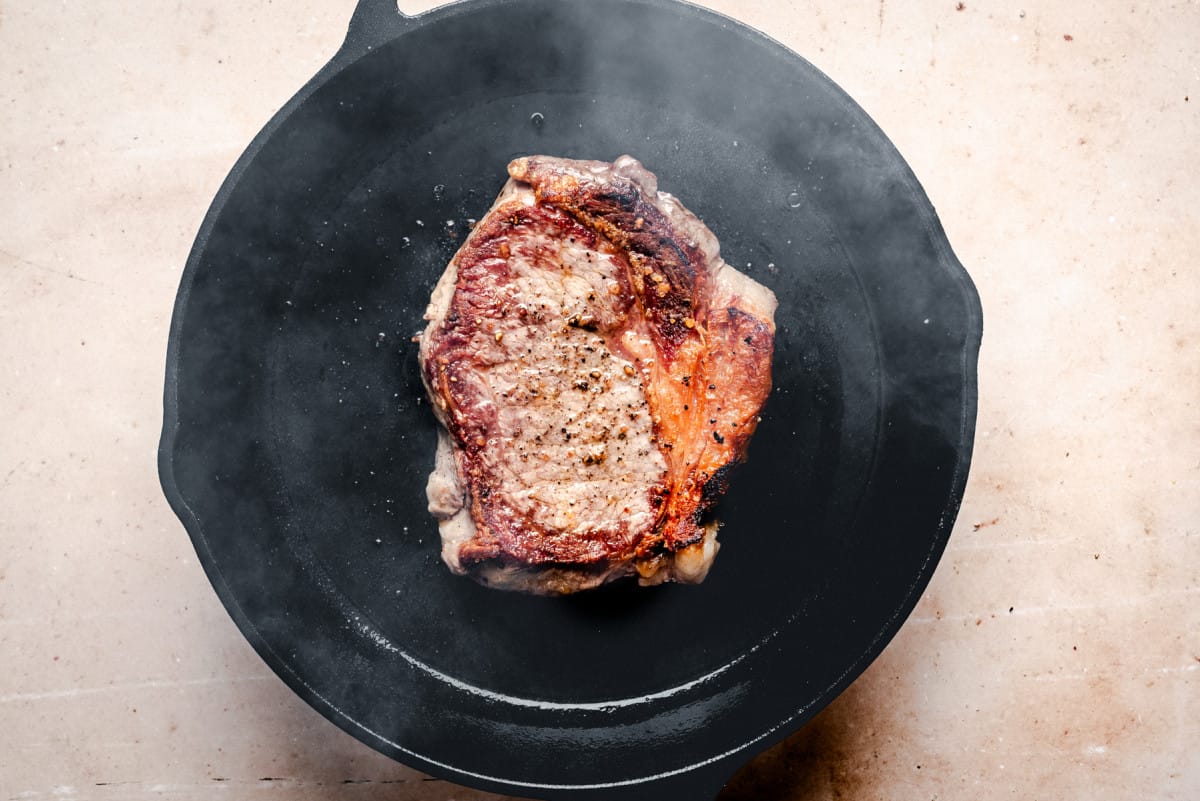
[1056, 653]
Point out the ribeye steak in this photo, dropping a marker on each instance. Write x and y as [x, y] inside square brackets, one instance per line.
[596, 368]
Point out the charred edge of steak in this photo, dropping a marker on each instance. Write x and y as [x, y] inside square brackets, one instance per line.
[714, 487]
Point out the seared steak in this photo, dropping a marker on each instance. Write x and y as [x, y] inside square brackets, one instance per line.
[597, 369]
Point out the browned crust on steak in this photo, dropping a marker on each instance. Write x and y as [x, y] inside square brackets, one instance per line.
[702, 354]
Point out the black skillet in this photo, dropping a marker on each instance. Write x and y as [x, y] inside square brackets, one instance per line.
[296, 441]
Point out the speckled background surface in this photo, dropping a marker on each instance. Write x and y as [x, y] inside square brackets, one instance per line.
[1056, 654]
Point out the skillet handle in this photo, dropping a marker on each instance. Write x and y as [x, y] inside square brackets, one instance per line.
[373, 23]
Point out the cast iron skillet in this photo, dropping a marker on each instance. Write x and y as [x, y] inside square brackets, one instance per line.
[296, 441]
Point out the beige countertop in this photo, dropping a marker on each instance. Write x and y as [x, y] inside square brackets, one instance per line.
[1056, 653]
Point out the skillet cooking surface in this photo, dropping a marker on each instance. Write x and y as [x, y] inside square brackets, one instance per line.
[297, 439]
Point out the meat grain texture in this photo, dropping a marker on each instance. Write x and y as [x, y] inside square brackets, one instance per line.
[597, 369]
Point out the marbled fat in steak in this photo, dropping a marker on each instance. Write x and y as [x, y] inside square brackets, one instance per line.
[597, 369]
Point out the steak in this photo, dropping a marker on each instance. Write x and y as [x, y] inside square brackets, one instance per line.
[597, 369]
